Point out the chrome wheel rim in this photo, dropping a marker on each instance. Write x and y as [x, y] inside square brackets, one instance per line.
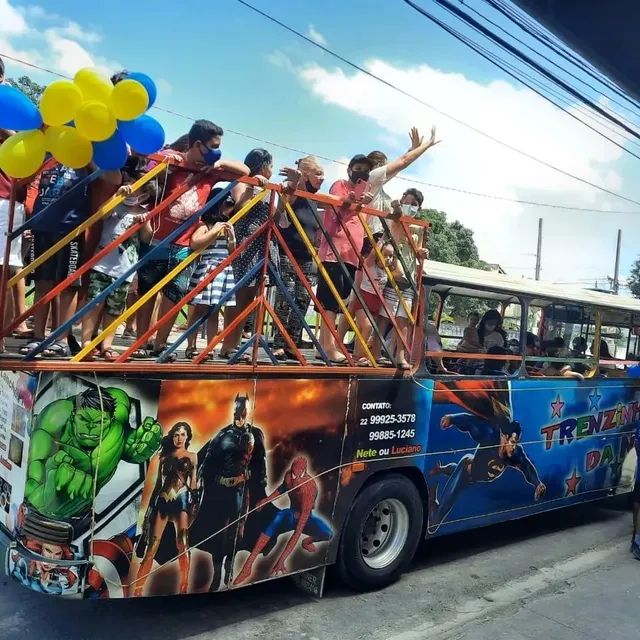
[384, 533]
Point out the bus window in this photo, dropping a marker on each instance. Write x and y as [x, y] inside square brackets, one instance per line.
[472, 325]
[566, 332]
[615, 341]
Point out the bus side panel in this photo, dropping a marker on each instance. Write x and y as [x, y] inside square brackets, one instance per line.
[574, 439]
[16, 401]
[293, 434]
[76, 421]
[388, 430]
[290, 425]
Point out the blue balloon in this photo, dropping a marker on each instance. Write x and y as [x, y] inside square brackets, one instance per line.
[17, 112]
[145, 134]
[147, 83]
[111, 154]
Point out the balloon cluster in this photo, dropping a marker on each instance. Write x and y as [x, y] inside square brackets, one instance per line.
[80, 121]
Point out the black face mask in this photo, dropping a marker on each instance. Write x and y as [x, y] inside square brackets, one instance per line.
[310, 188]
[359, 175]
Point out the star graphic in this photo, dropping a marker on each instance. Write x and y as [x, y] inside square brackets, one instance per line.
[556, 408]
[594, 400]
[572, 483]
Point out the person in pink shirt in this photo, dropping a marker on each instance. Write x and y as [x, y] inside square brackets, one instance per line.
[337, 221]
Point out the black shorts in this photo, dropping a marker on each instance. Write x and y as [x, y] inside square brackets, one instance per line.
[340, 282]
[62, 264]
[635, 494]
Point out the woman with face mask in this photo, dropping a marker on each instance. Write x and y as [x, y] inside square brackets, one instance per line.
[260, 163]
[308, 176]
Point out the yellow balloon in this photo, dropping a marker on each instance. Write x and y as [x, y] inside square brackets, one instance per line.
[129, 100]
[93, 85]
[22, 154]
[95, 121]
[68, 146]
[60, 102]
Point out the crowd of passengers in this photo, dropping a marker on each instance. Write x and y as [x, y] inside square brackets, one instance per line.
[485, 335]
[196, 163]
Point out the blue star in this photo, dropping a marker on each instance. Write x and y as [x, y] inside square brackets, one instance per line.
[594, 399]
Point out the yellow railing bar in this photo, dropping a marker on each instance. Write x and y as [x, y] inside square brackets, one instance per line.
[388, 271]
[157, 287]
[316, 258]
[106, 208]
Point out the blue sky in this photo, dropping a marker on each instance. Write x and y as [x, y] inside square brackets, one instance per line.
[218, 60]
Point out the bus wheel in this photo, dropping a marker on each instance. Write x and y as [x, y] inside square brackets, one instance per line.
[381, 533]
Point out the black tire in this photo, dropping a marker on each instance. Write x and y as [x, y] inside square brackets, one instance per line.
[353, 566]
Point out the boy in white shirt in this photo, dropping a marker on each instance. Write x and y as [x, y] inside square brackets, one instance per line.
[117, 262]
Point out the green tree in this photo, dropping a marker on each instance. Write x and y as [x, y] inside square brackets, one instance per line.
[29, 87]
[453, 243]
[633, 282]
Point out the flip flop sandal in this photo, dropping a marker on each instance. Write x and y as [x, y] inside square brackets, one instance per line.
[363, 362]
[172, 357]
[385, 362]
[91, 356]
[243, 359]
[281, 357]
[404, 366]
[143, 353]
[57, 350]
[110, 355]
[34, 344]
[191, 353]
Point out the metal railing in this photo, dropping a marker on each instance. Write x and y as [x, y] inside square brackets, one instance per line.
[413, 305]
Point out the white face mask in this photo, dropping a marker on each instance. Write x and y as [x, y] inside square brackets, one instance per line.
[409, 210]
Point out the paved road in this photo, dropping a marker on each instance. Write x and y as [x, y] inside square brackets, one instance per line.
[560, 576]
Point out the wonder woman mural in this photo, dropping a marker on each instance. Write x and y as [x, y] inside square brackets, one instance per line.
[175, 500]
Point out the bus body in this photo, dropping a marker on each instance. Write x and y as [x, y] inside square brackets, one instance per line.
[346, 465]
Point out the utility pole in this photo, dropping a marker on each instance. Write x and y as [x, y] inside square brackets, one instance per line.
[539, 250]
[616, 270]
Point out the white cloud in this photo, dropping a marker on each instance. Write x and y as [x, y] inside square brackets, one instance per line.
[164, 87]
[74, 31]
[316, 36]
[505, 231]
[60, 44]
[11, 20]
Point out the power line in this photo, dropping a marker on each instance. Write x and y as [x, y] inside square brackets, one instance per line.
[553, 91]
[302, 152]
[501, 42]
[539, 53]
[536, 31]
[518, 75]
[429, 106]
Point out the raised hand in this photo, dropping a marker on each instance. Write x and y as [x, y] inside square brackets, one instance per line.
[432, 139]
[415, 137]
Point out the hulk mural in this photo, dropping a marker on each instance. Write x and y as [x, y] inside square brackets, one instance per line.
[79, 438]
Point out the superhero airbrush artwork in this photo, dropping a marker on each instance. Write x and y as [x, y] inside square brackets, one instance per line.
[142, 487]
[503, 449]
[245, 487]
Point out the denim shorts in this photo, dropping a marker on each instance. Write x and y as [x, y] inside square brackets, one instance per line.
[152, 271]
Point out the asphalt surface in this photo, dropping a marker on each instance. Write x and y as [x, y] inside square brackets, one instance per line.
[567, 575]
